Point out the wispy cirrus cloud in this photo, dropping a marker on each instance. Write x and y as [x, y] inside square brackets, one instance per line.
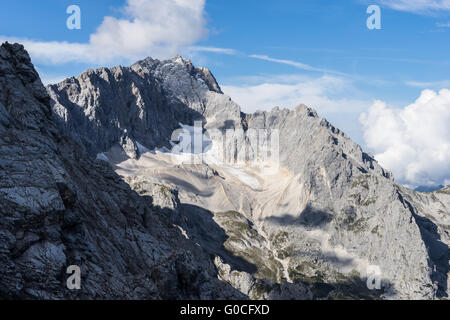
[213, 50]
[436, 85]
[418, 6]
[295, 64]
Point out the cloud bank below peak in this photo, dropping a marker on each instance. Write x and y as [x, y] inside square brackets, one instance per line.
[413, 142]
[328, 94]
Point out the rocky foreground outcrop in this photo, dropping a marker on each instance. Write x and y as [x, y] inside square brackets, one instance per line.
[59, 207]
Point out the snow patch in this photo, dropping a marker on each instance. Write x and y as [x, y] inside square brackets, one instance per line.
[243, 177]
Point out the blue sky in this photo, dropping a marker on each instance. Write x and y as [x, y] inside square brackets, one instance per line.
[267, 53]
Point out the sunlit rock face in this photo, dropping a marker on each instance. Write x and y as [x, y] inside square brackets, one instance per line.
[145, 102]
[318, 218]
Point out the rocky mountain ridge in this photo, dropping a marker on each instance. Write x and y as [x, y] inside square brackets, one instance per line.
[59, 207]
[326, 219]
[318, 227]
[144, 102]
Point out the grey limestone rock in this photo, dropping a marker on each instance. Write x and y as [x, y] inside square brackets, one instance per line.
[59, 207]
[314, 230]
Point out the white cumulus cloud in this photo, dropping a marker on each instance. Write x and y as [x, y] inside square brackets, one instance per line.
[148, 28]
[413, 142]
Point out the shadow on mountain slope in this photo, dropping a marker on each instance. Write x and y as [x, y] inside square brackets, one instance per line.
[185, 185]
[148, 117]
[317, 287]
[438, 252]
[310, 218]
[350, 287]
[201, 228]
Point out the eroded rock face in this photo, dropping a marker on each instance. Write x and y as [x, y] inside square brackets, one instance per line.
[324, 253]
[58, 207]
[353, 216]
[317, 228]
[144, 102]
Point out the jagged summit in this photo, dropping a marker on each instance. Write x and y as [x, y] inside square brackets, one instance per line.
[197, 72]
[149, 99]
[152, 97]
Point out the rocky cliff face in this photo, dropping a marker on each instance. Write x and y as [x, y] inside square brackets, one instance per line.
[143, 103]
[328, 220]
[59, 207]
[352, 215]
[322, 222]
